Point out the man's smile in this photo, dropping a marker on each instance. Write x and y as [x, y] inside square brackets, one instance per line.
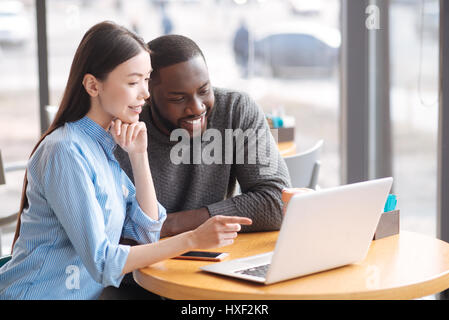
[193, 123]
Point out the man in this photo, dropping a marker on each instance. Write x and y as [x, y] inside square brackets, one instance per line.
[195, 188]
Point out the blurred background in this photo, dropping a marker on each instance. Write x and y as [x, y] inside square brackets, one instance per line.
[284, 53]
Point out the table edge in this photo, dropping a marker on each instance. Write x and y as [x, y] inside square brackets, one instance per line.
[424, 288]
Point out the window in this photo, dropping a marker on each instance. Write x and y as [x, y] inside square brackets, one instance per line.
[19, 110]
[414, 110]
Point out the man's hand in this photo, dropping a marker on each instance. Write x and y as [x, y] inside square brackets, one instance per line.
[178, 222]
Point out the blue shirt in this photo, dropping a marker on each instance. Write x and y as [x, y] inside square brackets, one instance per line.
[80, 203]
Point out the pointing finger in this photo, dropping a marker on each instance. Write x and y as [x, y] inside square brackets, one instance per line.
[232, 227]
[235, 219]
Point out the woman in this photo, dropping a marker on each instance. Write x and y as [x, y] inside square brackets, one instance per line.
[77, 201]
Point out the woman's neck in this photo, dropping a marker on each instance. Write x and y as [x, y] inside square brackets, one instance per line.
[97, 114]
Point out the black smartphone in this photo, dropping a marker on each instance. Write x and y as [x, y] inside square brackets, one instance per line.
[203, 255]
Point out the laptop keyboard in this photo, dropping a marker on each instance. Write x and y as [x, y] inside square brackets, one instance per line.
[259, 271]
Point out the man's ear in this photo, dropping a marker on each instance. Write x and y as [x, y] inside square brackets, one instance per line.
[91, 84]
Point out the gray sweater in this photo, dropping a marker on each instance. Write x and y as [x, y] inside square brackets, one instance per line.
[186, 186]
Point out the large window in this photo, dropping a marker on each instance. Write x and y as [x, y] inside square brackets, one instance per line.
[18, 80]
[414, 107]
[19, 111]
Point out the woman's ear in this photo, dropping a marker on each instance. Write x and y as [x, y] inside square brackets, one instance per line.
[91, 84]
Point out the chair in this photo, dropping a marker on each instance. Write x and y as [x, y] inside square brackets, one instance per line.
[10, 218]
[304, 167]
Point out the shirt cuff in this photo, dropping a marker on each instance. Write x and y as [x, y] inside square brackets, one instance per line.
[113, 268]
[141, 227]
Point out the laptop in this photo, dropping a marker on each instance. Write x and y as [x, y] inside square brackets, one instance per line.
[321, 230]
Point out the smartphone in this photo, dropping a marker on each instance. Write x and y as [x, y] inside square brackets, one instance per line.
[203, 255]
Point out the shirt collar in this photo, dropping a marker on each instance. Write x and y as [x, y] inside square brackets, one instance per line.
[99, 134]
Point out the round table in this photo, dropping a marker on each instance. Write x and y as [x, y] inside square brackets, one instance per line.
[404, 266]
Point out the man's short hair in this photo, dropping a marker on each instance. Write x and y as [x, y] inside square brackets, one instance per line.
[172, 49]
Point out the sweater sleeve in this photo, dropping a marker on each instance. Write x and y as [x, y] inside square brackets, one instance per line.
[259, 168]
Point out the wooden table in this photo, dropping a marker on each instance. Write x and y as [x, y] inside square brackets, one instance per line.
[405, 266]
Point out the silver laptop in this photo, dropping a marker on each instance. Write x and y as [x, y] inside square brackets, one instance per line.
[321, 230]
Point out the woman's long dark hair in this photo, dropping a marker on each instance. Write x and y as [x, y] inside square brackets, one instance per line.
[103, 47]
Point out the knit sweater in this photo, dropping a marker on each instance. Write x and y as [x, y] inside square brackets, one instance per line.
[193, 184]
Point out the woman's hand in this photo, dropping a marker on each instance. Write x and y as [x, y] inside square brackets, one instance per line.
[131, 137]
[218, 231]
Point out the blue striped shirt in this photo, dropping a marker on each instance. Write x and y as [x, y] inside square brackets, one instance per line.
[80, 203]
